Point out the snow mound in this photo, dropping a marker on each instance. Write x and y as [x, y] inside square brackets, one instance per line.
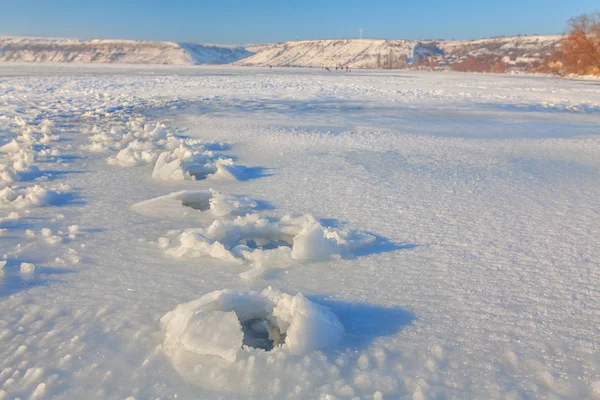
[187, 203]
[18, 157]
[252, 343]
[18, 168]
[138, 142]
[136, 153]
[26, 197]
[269, 242]
[27, 268]
[184, 163]
[225, 323]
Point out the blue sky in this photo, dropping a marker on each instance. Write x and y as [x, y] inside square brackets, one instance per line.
[236, 21]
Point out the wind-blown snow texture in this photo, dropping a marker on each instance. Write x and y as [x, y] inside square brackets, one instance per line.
[215, 233]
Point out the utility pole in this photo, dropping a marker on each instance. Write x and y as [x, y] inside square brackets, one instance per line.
[361, 31]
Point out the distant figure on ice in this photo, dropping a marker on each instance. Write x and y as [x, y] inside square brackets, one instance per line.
[270, 67]
[346, 68]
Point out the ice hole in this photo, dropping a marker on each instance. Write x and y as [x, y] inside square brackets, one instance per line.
[197, 204]
[261, 334]
[200, 175]
[265, 244]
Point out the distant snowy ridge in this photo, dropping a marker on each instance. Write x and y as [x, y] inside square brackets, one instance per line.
[56, 50]
[359, 53]
[524, 48]
[355, 53]
[374, 53]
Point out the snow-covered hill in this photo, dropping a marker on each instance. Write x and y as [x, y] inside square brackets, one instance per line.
[359, 53]
[521, 51]
[516, 49]
[32, 49]
[375, 53]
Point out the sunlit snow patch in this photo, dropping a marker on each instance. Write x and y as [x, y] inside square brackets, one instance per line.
[189, 203]
[225, 335]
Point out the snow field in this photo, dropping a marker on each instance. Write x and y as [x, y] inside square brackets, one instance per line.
[485, 288]
[290, 324]
[269, 320]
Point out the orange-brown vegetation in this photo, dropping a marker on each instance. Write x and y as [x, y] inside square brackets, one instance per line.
[579, 51]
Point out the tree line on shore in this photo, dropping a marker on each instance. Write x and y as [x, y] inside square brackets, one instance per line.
[577, 53]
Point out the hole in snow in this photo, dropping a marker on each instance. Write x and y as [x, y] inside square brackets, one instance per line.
[177, 205]
[197, 204]
[264, 243]
[223, 323]
[261, 334]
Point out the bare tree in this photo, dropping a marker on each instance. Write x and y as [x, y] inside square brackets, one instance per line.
[579, 51]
